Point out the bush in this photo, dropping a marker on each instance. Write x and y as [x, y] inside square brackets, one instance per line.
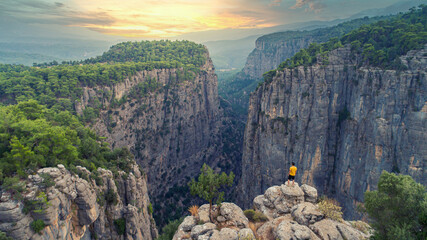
[255, 216]
[398, 209]
[3, 236]
[150, 208]
[169, 230]
[14, 185]
[37, 225]
[330, 208]
[111, 197]
[120, 226]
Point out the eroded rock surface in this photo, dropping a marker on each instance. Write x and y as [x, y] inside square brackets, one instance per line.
[302, 221]
[76, 208]
[342, 123]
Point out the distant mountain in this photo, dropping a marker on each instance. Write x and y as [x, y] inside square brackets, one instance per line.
[232, 52]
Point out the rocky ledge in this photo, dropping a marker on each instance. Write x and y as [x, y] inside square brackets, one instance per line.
[291, 212]
[80, 206]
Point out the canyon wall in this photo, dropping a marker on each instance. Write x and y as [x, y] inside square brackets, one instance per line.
[342, 123]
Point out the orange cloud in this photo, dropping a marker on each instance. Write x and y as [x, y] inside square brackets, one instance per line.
[167, 18]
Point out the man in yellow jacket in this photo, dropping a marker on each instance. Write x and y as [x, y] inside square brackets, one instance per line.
[292, 173]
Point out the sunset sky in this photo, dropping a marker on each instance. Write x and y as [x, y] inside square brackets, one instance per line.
[168, 18]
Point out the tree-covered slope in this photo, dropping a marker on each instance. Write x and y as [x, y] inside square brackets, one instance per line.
[60, 85]
[38, 128]
[274, 48]
[380, 44]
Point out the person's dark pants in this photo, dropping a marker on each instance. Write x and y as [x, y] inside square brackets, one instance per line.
[291, 178]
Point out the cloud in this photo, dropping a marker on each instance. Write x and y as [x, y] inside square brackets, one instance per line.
[275, 3]
[312, 5]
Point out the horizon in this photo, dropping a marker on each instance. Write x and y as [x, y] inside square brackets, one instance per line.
[170, 19]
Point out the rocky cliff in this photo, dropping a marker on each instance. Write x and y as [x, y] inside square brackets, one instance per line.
[114, 206]
[289, 212]
[272, 49]
[342, 123]
[172, 129]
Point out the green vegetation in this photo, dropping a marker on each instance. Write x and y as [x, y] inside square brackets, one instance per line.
[3, 236]
[111, 197]
[209, 184]
[37, 225]
[33, 136]
[398, 209]
[60, 85]
[169, 230]
[120, 225]
[330, 208]
[255, 216]
[236, 86]
[321, 34]
[380, 44]
[150, 209]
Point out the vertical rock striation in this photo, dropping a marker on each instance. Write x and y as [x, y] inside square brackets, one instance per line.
[80, 207]
[341, 124]
[171, 130]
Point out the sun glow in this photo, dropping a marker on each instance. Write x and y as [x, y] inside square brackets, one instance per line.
[163, 18]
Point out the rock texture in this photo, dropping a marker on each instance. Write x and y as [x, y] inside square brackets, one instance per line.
[229, 224]
[171, 131]
[76, 208]
[302, 221]
[272, 49]
[342, 123]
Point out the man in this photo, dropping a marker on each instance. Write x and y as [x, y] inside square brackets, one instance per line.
[292, 173]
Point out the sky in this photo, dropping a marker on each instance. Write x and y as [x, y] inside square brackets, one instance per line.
[169, 18]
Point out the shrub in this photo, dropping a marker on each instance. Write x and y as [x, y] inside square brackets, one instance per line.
[361, 226]
[37, 225]
[169, 230]
[255, 216]
[111, 197]
[120, 226]
[150, 208]
[14, 185]
[330, 208]
[194, 210]
[398, 209]
[3, 236]
[47, 181]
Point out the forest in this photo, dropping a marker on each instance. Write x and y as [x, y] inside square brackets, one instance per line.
[380, 44]
[38, 124]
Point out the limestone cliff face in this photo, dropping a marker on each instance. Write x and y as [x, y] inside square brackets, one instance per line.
[79, 208]
[341, 124]
[289, 212]
[172, 130]
[268, 55]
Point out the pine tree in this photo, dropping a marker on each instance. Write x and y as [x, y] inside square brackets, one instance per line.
[209, 184]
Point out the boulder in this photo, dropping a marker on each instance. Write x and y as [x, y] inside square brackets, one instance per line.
[266, 231]
[246, 234]
[329, 229]
[224, 234]
[233, 215]
[292, 230]
[306, 213]
[198, 230]
[310, 193]
[188, 223]
[204, 213]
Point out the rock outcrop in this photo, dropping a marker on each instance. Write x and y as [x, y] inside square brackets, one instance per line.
[73, 207]
[342, 123]
[172, 130]
[272, 49]
[300, 220]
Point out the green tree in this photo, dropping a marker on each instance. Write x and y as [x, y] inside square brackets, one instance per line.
[398, 209]
[209, 184]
